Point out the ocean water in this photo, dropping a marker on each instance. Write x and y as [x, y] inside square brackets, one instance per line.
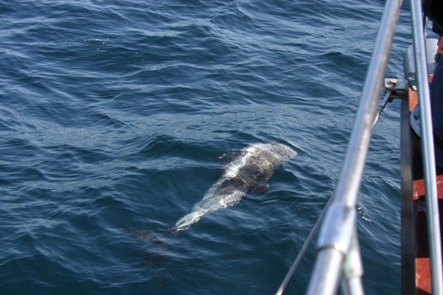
[116, 117]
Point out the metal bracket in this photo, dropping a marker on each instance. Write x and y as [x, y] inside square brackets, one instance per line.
[396, 88]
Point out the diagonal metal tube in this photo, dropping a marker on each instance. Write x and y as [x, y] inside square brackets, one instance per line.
[333, 243]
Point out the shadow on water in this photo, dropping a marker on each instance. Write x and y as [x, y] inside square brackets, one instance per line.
[155, 242]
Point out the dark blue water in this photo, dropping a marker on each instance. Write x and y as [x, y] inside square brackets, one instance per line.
[116, 117]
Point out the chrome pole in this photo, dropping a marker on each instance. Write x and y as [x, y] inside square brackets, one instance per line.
[331, 250]
[427, 147]
[353, 269]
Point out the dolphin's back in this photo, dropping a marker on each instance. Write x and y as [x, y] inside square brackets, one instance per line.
[249, 172]
[264, 158]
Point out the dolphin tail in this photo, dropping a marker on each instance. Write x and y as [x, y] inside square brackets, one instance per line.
[156, 244]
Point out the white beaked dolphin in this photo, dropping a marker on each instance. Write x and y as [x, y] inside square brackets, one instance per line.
[249, 172]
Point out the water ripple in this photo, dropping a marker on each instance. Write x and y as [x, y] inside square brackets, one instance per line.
[117, 117]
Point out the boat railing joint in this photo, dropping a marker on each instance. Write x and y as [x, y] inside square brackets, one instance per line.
[340, 221]
[396, 88]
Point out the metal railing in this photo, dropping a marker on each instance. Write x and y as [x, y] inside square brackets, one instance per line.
[338, 234]
[427, 146]
[338, 258]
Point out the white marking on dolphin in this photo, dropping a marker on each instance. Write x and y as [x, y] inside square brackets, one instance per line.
[249, 172]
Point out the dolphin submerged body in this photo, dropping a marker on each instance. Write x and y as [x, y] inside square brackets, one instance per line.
[249, 172]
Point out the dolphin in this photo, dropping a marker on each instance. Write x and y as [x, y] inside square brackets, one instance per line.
[249, 172]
